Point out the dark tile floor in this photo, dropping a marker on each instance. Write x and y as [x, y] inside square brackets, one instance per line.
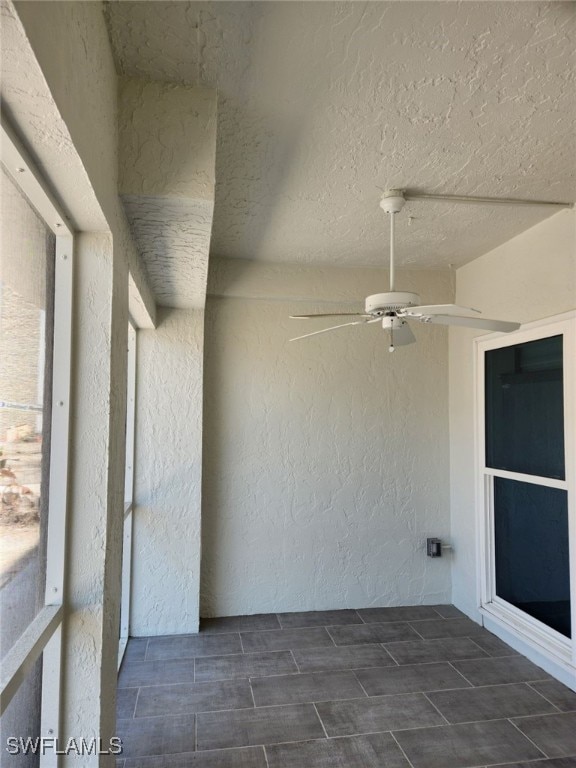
[414, 687]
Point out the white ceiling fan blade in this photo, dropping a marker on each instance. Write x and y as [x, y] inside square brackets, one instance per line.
[335, 327]
[402, 335]
[331, 314]
[438, 309]
[483, 323]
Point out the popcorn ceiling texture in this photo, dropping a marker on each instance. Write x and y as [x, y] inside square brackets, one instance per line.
[324, 104]
[325, 460]
[166, 181]
[173, 239]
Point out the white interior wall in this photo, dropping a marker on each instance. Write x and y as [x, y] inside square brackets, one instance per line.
[325, 460]
[530, 277]
[168, 471]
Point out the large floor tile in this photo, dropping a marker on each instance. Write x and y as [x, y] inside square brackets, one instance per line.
[224, 624]
[380, 713]
[512, 669]
[431, 630]
[410, 679]
[270, 725]
[561, 696]
[493, 645]
[248, 757]
[285, 639]
[139, 673]
[305, 688]
[156, 735]
[402, 613]
[554, 734]
[372, 633]
[460, 746]
[378, 750]
[426, 651]
[343, 657]
[490, 703]
[191, 646]
[136, 649]
[211, 668]
[193, 697]
[126, 702]
[318, 618]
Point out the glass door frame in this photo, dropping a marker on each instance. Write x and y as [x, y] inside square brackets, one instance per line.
[556, 647]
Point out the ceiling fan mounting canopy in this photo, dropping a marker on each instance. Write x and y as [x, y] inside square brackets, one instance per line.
[381, 303]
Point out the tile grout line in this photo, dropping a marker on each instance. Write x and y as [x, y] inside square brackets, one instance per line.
[252, 692]
[383, 646]
[463, 676]
[320, 719]
[436, 708]
[327, 630]
[135, 703]
[360, 683]
[415, 630]
[401, 749]
[544, 697]
[295, 662]
[265, 755]
[528, 737]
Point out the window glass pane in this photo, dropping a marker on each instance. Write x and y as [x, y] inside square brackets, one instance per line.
[524, 408]
[26, 317]
[531, 546]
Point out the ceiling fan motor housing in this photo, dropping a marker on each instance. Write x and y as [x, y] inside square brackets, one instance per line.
[380, 303]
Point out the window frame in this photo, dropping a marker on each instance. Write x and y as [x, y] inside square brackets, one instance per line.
[43, 635]
[557, 647]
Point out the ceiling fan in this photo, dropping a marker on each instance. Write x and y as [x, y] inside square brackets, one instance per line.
[395, 308]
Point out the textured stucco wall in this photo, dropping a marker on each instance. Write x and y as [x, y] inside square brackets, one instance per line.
[528, 278]
[97, 448]
[168, 471]
[325, 460]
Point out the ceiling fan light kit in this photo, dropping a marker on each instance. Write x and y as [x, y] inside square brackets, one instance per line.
[394, 308]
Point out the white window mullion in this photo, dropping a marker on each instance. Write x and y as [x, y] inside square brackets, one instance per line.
[520, 477]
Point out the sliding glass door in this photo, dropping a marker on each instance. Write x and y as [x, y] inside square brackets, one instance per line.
[526, 482]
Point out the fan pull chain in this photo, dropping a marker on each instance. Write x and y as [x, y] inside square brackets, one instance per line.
[392, 214]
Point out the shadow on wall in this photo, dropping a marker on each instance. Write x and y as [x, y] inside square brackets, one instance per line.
[325, 464]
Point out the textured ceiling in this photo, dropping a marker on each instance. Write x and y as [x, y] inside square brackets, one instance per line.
[322, 105]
